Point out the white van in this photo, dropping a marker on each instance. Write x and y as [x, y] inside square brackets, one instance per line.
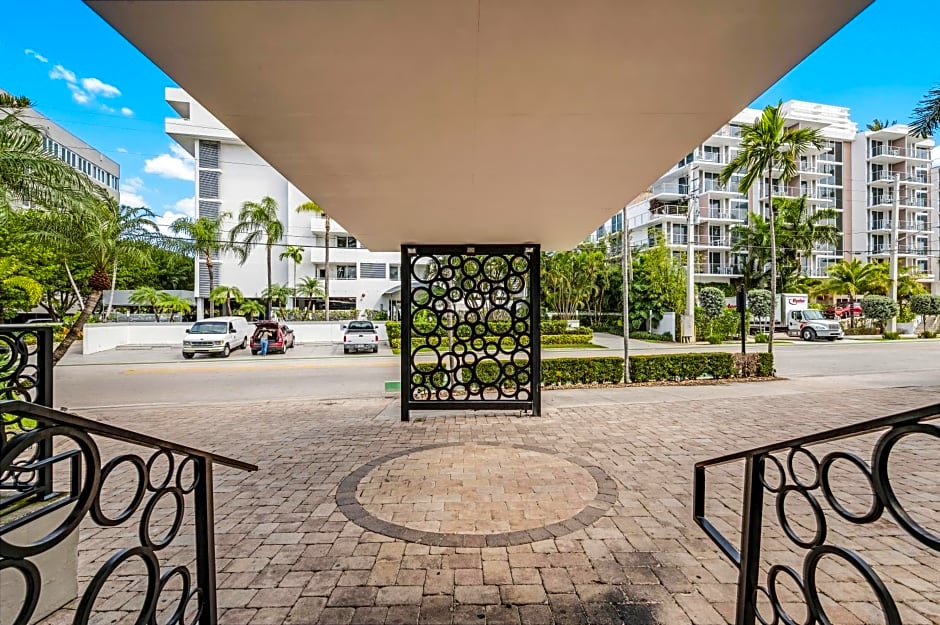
[217, 336]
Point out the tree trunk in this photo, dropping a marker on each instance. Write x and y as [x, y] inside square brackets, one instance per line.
[773, 261]
[209, 269]
[268, 305]
[78, 294]
[111, 295]
[77, 327]
[326, 279]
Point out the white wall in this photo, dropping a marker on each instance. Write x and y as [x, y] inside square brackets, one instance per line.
[99, 337]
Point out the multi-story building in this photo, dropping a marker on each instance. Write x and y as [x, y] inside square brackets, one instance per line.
[229, 173]
[853, 174]
[65, 146]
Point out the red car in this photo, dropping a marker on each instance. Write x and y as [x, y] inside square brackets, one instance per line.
[844, 312]
[280, 337]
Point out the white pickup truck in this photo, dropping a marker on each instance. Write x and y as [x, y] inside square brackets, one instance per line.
[360, 336]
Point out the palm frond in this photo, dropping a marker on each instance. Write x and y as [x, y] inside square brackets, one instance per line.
[926, 117]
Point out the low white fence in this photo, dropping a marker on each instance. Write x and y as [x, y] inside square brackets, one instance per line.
[99, 337]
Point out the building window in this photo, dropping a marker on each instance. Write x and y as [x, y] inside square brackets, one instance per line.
[209, 154]
[394, 272]
[372, 270]
[345, 272]
[209, 184]
[346, 242]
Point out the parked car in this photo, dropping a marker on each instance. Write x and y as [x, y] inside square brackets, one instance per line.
[217, 336]
[280, 337]
[360, 336]
[844, 311]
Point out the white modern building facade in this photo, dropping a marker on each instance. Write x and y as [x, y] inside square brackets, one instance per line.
[854, 174]
[229, 173]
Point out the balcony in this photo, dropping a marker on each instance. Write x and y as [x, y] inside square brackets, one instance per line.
[904, 249]
[881, 200]
[669, 191]
[881, 178]
[893, 154]
[717, 269]
[916, 180]
[723, 214]
[811, 169]
[728, 135]
[916, 201]
[781, 191]
[709, 241]
[713, 161]
[711, 186]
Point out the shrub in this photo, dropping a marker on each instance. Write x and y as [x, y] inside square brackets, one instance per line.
[927, 334]
[715, 339]
[891, 336]
[925, 305]
[335, 315]
[761, 303]
[393, 329]
[880, 308]
[601, 370]
[860, 331]
[761, 337]
[566, 339]
[766, 365]
[712, 301]
[650, 336]
[681, 367]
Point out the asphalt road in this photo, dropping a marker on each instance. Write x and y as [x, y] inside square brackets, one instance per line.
[136, 377]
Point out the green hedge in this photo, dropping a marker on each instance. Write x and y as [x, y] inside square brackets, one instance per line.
[567, 339]
[558, 336]
[599, 370]
[681, 367]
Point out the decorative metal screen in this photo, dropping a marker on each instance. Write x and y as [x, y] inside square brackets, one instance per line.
[470, 330]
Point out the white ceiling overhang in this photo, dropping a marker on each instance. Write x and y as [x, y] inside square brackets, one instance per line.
[486, 121]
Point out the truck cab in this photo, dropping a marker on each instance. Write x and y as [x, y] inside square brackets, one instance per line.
[810, 325]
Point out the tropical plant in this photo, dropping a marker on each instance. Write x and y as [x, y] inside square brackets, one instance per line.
[712, 301]
[135, 225]
[27, 171]
[853, 278]
[224, 295]
[251, 309]
[313, 207]
[926, 117]
[277, 293]
[766, 145]
[296, 254]
[877, 124]
[657, 285]
[309, 288]
[17, 291]
[203, 238]
[761, 303]
[258, 224]
[147, 296]
[171, 303]
[925, 305]
[880, 308]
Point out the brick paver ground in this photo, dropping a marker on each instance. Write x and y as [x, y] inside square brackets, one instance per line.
[286, 552]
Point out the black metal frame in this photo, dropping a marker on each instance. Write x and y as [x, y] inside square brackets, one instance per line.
[188, 475]
[747, 558]
[475, 276]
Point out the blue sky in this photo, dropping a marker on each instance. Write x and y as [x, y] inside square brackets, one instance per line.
[103, 90]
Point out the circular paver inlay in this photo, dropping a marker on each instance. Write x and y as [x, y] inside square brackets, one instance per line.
[477, 494]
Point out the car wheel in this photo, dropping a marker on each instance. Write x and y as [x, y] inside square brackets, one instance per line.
[254, 352]
[375, 350]
[226, 351]
[245, 342]
[188, 356]
[831, 339]
[808, 334]
[345, 350]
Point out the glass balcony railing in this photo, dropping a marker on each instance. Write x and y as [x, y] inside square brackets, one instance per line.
[710, 184]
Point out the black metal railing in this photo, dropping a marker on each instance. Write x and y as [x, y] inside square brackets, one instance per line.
[26, 375]
[141, 488]
[762, 602]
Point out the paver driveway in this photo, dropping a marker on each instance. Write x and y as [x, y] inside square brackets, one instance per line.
[287, 551]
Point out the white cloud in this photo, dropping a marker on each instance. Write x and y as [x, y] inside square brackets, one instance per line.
[178, 164]
[134, 183]
[186, 206]
[131, 189]
[78, 95]
[107, 109]
[164, 221]
[35, 55]
[96, 86]
[60, 73]
[126, 112]
[122, 150]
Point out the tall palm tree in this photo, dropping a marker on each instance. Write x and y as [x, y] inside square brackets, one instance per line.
[276, 294]
[203, 238]
[135, 224]
[223, 295]
[313, 207]
[296, 254]
[251, 308]
[27, 171]
[800, 229]
[171, 304]
[926, 118]
[147, 296]
[309, 288]
[766, 145]
[854, 278]
[878, 124]
[258, 223]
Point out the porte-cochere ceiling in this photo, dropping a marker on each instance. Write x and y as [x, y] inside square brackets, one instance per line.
[484, 121]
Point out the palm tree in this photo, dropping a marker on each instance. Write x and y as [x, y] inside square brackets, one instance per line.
[223, 295]
[27, 171]
[296, 254]
[258, 222]
[19, 292]
[134, 224]
[877, 124]
[147, 296]
[766, 145]
[251, 309]
[170, 303]
[202, 238]
[313, 207]
[309, 288]
[277, 294]
[927, 114]
[800, 230]
[92, 234]
[854, 278]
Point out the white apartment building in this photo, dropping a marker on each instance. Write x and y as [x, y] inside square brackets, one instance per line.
[229, 173]
[849, 175]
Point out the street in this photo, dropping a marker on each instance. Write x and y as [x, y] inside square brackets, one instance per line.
[159, 376]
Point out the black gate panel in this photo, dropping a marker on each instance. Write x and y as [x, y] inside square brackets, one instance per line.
[470, 327]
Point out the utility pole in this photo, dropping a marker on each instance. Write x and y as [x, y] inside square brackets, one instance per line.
[626, 265]
[688, 319]
[895, 245]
